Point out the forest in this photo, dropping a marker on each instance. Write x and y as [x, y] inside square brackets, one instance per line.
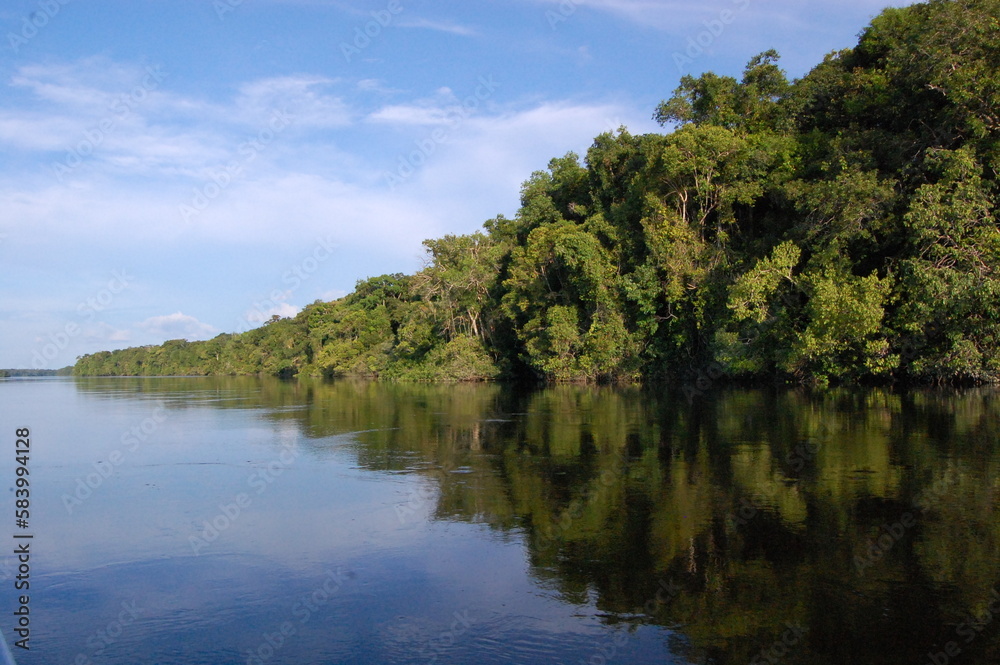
[837, 228]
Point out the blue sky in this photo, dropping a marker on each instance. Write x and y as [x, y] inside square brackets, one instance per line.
[181, 168]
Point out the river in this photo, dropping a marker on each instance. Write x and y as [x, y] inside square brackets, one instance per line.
[244, 520]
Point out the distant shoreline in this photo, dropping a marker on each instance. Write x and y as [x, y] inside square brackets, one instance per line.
[65, 371]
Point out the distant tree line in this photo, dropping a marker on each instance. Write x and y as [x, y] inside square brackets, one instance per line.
[840, 227]
[65, 371]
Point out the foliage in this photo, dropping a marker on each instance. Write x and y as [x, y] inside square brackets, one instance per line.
[840, 227]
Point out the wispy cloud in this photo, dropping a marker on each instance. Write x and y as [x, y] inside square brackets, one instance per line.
[113, 122]
[177, 326]
[283, 310]
[323, 176]
[302, 96]
[102, 332]
[440, 26]
[682, 17]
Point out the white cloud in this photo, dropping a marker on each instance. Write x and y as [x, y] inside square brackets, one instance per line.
[684, 16]
[300, 96]
[301, 184]
[376, 85]
[335, 294]
[123, 120]
[488, 157]
[101, 332]
[313, 180]
[722, 35]
[284, 310]
[177, 326]
[441, 108]
[440, 26]
[409, 114]
[83, 84]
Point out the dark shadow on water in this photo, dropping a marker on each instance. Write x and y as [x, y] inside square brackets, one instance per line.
[866, 522]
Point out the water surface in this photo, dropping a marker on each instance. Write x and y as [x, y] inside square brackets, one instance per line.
[235, 520]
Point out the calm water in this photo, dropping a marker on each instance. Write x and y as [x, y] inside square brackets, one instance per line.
[256, 521]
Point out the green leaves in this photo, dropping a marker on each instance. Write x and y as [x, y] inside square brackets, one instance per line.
[839, 227]
[751, 105]
[751, 295]
[842, 338]
[951, 221]
[561, 296]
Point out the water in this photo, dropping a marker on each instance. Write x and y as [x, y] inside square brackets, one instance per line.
[236, 520]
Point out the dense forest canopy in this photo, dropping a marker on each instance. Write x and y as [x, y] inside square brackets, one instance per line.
[839, 227]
